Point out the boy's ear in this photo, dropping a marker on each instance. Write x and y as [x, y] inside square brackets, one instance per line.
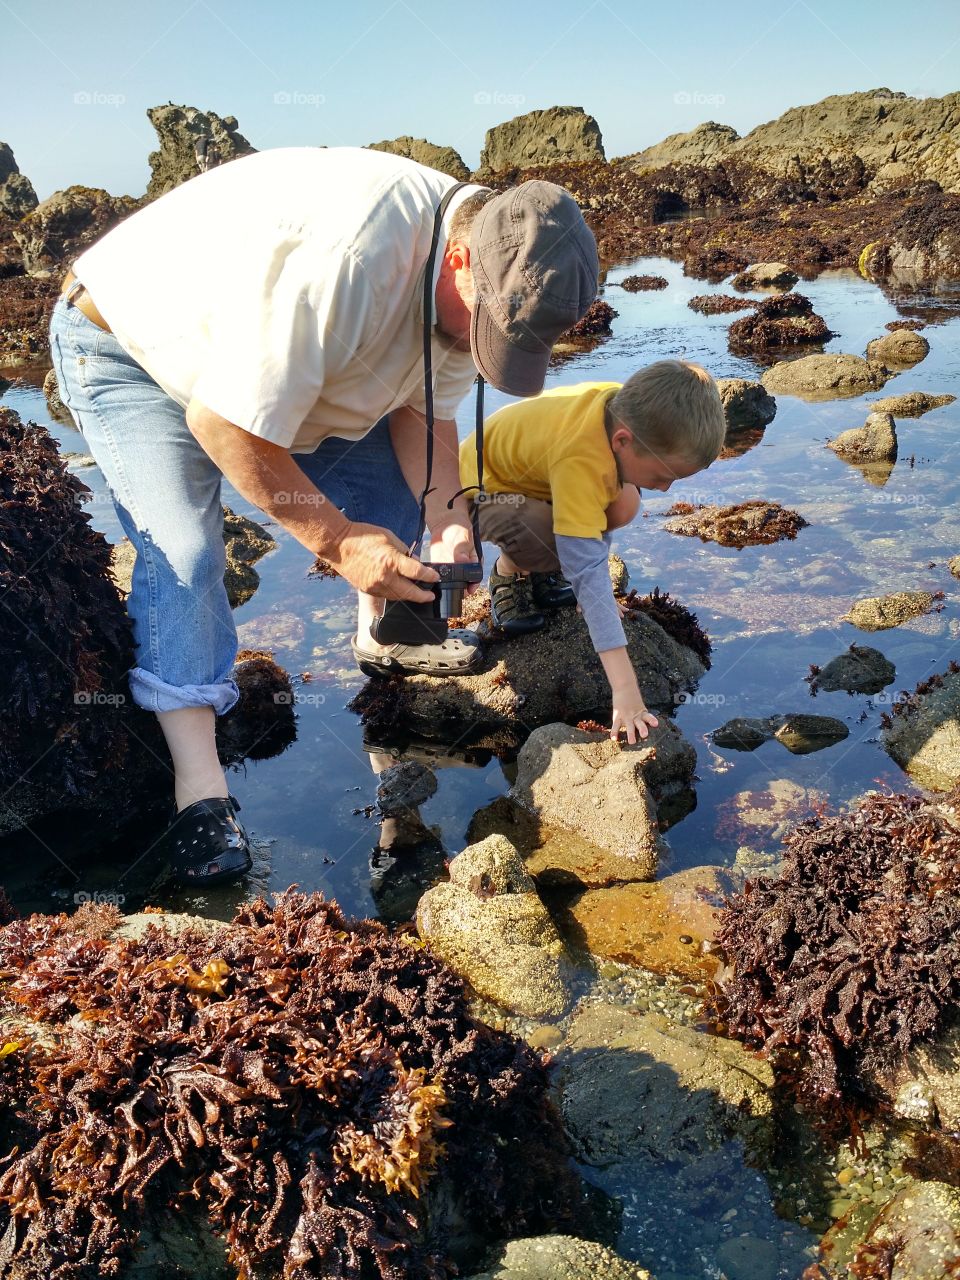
[621, 436]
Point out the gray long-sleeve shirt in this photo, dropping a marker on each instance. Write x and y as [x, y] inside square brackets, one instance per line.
[584, 562]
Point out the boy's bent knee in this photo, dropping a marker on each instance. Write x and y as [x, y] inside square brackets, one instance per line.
[624, 507]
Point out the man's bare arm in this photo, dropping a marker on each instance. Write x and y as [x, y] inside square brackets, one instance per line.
[449, 526]
[370, 558]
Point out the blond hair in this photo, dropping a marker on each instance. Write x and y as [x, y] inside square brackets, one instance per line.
[673, 407]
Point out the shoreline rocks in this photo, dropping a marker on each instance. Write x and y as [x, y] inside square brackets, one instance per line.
[785, 320]
[800, 733]
[875, 441]
[542, 137]
[190, 140]
[911, 404]
[899, 350]
[923, 733]
[825, 376]
[445, 159]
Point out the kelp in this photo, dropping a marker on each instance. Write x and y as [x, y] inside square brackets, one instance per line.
[852, 956]
[301, 1079]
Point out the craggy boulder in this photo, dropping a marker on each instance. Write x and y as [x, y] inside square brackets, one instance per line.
[923, 733]
[489, 925]
[17, 196]
[875, 441]
[880, 613]
[246, 542]
[180, 130]
[428, 153]
[746, 404]
[542, 137]
[64, 224]
[899, 349]
[825, 377]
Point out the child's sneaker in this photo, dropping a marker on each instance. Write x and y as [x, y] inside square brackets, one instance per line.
[551, 590]
[511, 604]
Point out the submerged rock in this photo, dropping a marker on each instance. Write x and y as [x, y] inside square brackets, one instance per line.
[190, 141]
[489, 925]
[551, 675]
[559, 1258]
[916, 1234]
[825, 376]
[745, 524]
[899, 349]
[635, 1087]
[875, 441]
[800, 733]
[746, 404]
[785, 320]
[923, 732]
[879, 613]
[446, 159]
[859, 670]
[770, 275]
[542, 137]
[911, 404]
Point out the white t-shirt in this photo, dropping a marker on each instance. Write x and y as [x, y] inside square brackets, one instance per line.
[284, 291]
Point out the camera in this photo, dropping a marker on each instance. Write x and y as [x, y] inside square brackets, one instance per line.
[408, 622]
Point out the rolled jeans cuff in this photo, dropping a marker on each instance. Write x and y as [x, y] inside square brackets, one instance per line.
[153, 694]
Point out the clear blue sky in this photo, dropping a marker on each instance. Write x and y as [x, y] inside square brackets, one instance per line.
[78, 77]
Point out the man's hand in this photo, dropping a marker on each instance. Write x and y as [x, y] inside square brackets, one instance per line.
[374, 560]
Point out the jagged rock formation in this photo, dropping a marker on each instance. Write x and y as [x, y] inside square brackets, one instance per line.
[17, 196]
[542, 137]
[180, 130]
[429, 153]
[64, 224]
[878, 140]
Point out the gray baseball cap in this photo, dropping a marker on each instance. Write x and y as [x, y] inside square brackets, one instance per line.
[535, 271]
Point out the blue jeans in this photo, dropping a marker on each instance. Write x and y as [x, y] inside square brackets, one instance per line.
[167, 496]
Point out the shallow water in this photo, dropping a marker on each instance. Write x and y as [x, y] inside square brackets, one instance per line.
[770, 611]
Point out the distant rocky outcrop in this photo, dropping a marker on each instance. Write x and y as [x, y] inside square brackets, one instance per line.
[423, 152]
[542, 137]
[17, 195]
[66, 223]
[879, 140]
[190, 142]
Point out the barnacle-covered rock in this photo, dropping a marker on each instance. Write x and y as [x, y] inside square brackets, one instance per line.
[911, 404]
[923, 732]
[825, 376]
[744, 524]
[765, 275]
[880, 613]
[900, 349]
[785, 320]
[314, 1087]
[559, 1258]
[59, 227]
[875, 441]
[746, 404]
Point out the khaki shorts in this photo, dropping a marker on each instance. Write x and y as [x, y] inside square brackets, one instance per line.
[522, 527]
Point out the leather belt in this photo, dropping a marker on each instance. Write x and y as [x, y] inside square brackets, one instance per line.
[83, 302]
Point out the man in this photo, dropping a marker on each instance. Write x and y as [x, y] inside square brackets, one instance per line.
[264, 322]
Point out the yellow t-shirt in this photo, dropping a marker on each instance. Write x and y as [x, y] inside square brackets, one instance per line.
[553, 447]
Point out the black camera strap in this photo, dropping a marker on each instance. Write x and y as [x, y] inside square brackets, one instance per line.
[428, 302]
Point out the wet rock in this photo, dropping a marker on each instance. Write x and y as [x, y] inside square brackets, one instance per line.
[859, 670]
[55, 407]
[246, 542]
[801, 734]
[55, 232]
[530, 680]
[920, 1228]
[600, 791]
[490, 926]
[745, 524]
[875, 441]
[542, 137]
[785, 320]
[17, 196]
[923, 733]
[766, 275]
[954, 566]
[761, 817]
[899, 349]
[639, 284]
[181, 132]
[595, 322]
[660, 926]
[278, 629]
[746, 404]
[620, 574]
[924, 1088]
[427, 153]
[825, 376]
[911, 404]
[635, 1086]
[749, 1257]
[718, 304]
[123, 556]
[879, 613]
[404, 786]
[559, 1258]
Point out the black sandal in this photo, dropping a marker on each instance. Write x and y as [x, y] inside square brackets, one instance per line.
[206, 844]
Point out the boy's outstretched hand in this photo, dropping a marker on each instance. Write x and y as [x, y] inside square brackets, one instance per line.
[632, 718]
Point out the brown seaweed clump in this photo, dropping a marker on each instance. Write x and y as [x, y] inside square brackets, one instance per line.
[715, 304]
[595, 322]
[852, 956]
[745, 524]
[65, 643]
[679, 622]
[784, 320]
[300, 1079]
[638, 284]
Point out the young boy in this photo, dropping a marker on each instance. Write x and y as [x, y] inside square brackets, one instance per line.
[564, 469]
